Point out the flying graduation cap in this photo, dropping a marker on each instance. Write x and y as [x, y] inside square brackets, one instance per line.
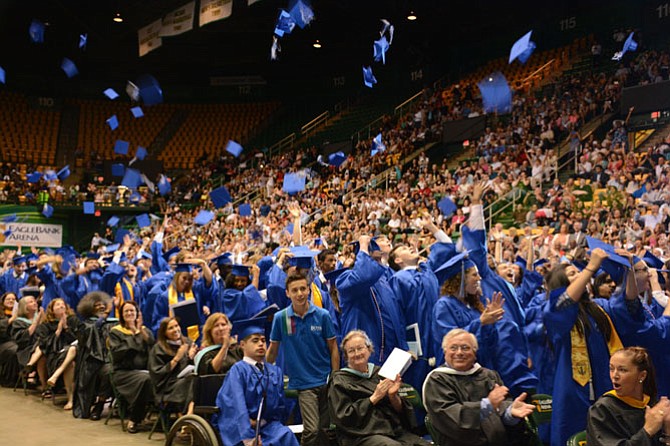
[285, 24]
[368, 78]
[83, 40]
[203, 217]
[379, 48]
[522, 48]
[234, 148]
[149, 90]
[69, 67]
[220, 197]
[496, 94]
[628, 45]
[47, 210]
[36, 31]
[110, 93]
[337, 159]
[164, 186]
[113, 123]
[301, 13]
[2, 76]
[447, 206]
[121, 147]
[137, 112]
[293, 183]
[63, 173]
[377, 145]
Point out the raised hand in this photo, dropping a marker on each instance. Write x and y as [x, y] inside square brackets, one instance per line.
[521, 409]
[381, 390]
[494, 310]
[497, 396]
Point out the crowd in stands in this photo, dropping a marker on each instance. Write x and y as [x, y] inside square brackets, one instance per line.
[378, 259]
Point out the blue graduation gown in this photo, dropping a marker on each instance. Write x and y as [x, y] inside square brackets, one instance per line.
[239, 399]
[571, 400]
[544, 362]
[161, 308]
[368, 303]
[417, 292]
[276, 287]
[9, 283]
[239, 305]
[52, 286]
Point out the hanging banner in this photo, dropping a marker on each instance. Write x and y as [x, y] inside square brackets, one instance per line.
[149, 37]
[213, 10]
[30, 234]
[178, 21]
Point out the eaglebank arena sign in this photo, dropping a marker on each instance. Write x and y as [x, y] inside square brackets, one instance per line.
[31, 234]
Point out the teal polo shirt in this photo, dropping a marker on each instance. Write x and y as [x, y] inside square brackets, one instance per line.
[303, 342]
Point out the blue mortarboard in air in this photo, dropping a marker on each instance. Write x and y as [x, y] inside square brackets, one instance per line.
[143, 220]
[377, 145]
[113, 221]
[131, 178]
[111, 93]
[150, 90]
[113, 123]
[289, 228]
[83, 40]
[336, 159]
[69, 67]
[183, 268]
[113, 247]
[63, 173]
[9, 218]
[373, 246]
[628, 45]
[247, 327]
[137, 112]
[234, 148]
[220, 197]
[89, 207]
[47, 210]
[447, 206]
[285, 24]
[121, 147]
[50, 175]
[203, 217]
[368, 78]
[140, 153]
[522, 48]
[380, 47]
[164, 186]
[496, 94]
[2, 76]
[34, 177]
[301, 12]
[36, 31]
[118, 170]
[245, 210]
[615, 265]
[135, 197]
[293, 183]
[120, 233]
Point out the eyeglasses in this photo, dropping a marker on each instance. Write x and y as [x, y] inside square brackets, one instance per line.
[354, 350]
[463, 348]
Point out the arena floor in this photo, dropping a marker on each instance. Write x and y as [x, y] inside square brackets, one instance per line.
[28, 421]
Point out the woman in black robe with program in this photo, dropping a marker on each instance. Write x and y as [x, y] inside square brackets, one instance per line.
[9, 366]
[366, 408]
[129, 345]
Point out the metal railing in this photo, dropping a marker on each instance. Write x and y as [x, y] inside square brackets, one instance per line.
[312, 125]
[407, 105]
[515, 195]
[285, 143]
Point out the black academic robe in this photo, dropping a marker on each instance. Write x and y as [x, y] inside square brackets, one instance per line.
[24, 340]
[453, 403]
[168, 386]
[204, 365]
[9, 366]
[54, 347]
[612, 421]
[130, 356]
[357, 419]
[91, 378]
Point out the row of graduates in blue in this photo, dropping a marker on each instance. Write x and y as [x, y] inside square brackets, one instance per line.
[549, 334]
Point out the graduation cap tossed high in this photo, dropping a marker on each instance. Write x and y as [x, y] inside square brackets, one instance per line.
[293, 183]
[83, 40]
[34, 177]
[615, 265]
[220, 197]
[143, 220]
[164, 186]
[137, 112]
[337, 159]
[69, 67]
[628, 45]
[496, 94]
[234, 148]
[447, 206]
[522, 48]
[379, 48]
[131, 178]
[285, 24]
[88, 207]
[113, 221]
[110, 93]
[245, 210]
[368, 77]
[378, 145]
[36, 31]
[47, 210]
[9, 218]
[2, 76]
[63, 173]
[301, 12]
[113, 123]
[203, 217]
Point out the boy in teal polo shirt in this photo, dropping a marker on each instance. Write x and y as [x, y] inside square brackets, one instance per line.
[306, 335]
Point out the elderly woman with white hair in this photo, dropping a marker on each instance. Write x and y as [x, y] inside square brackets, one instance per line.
[467, 403]
[366, 408]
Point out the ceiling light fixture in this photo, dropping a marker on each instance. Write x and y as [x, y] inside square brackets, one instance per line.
[117, 18]
[317, 44]
[411, 16]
